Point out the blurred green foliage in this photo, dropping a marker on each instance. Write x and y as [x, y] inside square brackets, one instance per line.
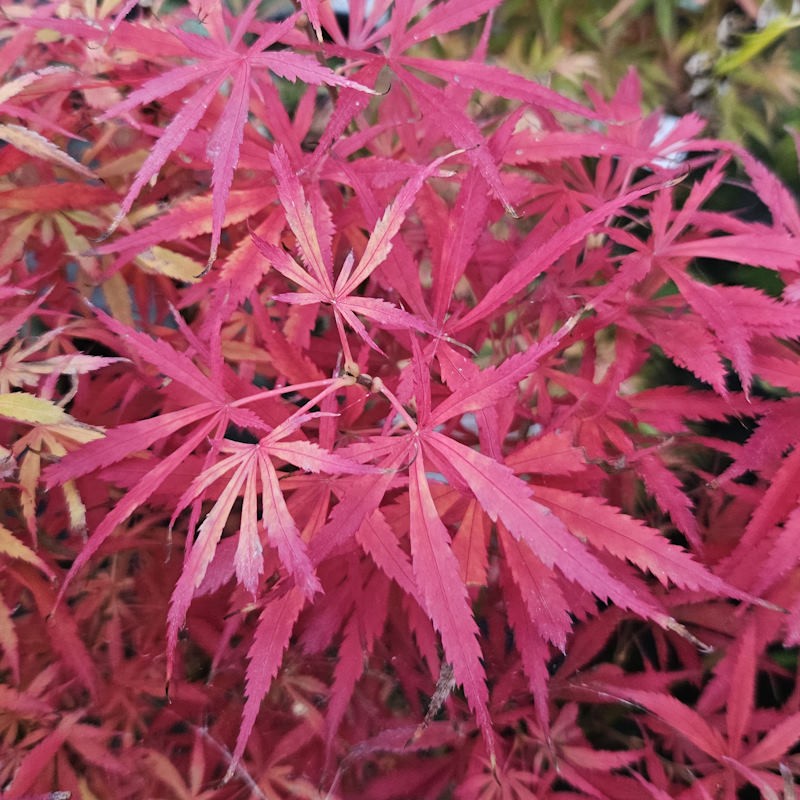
[738, 65]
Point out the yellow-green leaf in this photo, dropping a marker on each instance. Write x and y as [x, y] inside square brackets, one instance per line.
[173, 265]
[34, 144]
[35, 410]
[755, 43]
[12, 88]
[13, 548]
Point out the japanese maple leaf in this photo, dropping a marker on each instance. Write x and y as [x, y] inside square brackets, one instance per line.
[725, 319]
[52, 434]
[549, 535]
[252, 465]
[317, 277]
[205, 410]
[741, 754]
[380, 37]
[218, 59]
[18, 368]
[31, 212]
[29, 141]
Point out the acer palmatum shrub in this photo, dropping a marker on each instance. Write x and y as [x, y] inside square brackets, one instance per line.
[333, 462]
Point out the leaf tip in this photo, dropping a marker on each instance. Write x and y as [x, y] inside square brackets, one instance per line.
[229, 774]
[115, 223]
[676, 627]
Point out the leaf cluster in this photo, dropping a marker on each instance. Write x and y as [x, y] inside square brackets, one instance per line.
[331, 464]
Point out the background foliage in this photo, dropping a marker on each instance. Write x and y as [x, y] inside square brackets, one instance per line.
[737, 64]
[376, 422]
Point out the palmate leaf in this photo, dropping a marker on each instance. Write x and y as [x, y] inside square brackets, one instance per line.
[533, 647]
[665, 486]
[393, 35]
[209, 416]
[273, 632]
[204, 412]
[29, 141]
[437, 576]
[316, 277]
[252, 466]
[504, 496]
[52, 434]
[527, 527]
[608, 529]
[548, 534]
[536, 256]
[765, 552]
[683, 719]
[218, 60]
[731, 315]
[537, 585]
[507, 498]
[12, 547]
[360, 634]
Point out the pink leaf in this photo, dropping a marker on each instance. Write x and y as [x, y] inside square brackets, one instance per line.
[380, 240]
[548, 454]
[686, 722]
[753, 776]
[665, 486]
[223, 152]
[443, 18]
[778, 251]
[532, 647]
[283, 533]
[380, 542]
[436, 572]
[546, 606]
[531, 265]
[470, 545]
[183, 122]
[776, 744]
[300, 219]
[273, 632]
[505, 497]
[249, 560]
[202, 553]
[741, 697]
[135, 498]
[40, 758]
[497, 81]
[627, 538]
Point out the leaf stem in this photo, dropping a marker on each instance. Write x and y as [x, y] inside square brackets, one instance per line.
[295, 387]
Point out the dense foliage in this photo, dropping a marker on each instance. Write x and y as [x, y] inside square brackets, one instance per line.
[335, 457]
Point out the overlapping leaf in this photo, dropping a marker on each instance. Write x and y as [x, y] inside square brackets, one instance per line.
[218, 60]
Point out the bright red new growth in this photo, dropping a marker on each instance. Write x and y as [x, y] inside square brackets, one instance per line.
[360, 443]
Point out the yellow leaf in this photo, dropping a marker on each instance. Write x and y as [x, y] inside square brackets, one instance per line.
[27, 408]
[173, 265]
[75, 507]
[116, 293]
[16, 236]
[12, 88]
[13, 548]
[74, 432]
[9, 641]
[30, 468]
[34, 144]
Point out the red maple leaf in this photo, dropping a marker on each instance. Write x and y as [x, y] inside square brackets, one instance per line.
[219, 58]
